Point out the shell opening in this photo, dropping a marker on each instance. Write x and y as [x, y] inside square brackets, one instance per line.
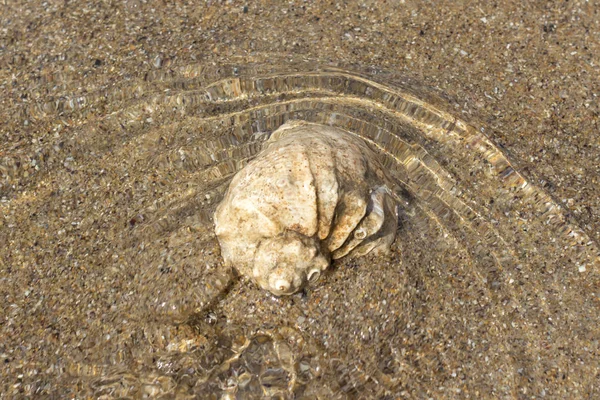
[313, 276]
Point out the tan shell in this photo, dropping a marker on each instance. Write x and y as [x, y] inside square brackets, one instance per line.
[316, 193]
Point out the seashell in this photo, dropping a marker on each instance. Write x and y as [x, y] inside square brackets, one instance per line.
[316, 193]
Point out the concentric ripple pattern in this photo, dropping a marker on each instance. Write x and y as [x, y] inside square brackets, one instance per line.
[489, 285]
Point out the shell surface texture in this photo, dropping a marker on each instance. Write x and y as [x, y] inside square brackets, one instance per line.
[315, 193]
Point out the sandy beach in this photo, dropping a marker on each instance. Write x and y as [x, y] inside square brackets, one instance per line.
[76, 206]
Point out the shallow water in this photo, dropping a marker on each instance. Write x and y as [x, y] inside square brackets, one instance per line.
[113, 273]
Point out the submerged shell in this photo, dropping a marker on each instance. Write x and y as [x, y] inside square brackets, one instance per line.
[316, 193]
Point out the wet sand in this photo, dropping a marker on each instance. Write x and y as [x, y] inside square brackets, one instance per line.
[527, 73]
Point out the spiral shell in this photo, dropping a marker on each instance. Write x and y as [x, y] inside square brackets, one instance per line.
[315, 193]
